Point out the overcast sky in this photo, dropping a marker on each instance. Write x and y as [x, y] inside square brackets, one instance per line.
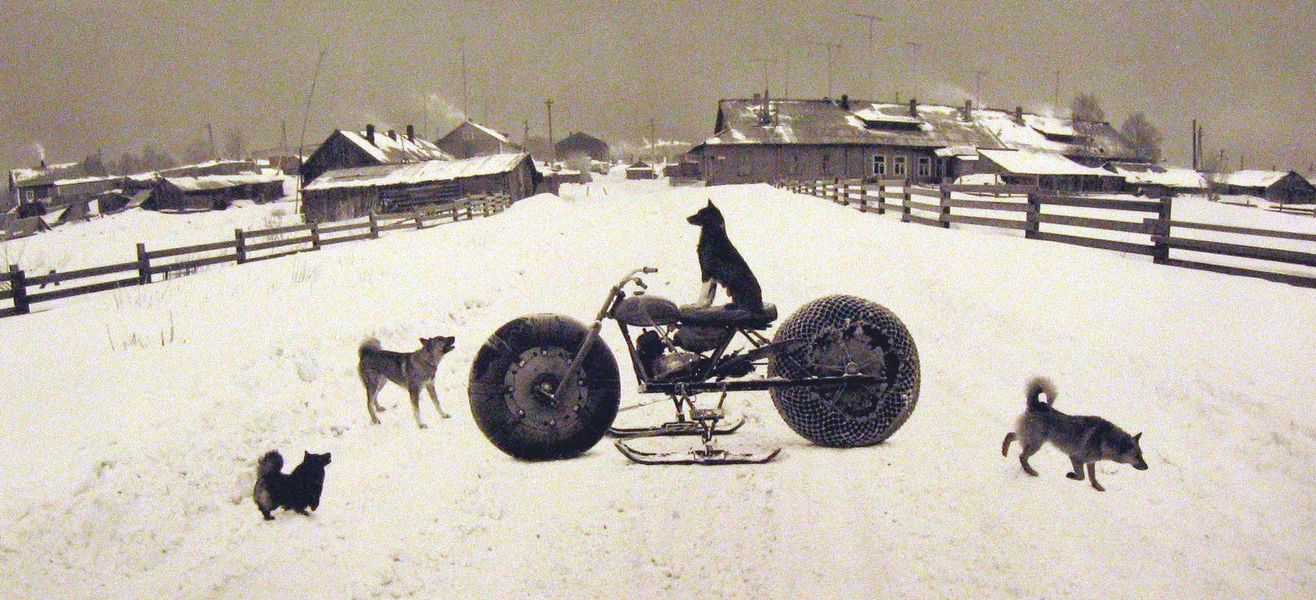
[77, 76]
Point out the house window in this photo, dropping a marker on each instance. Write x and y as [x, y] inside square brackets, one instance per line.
[879, 166]
[826, 163]
[30, 195]
[898, 166]
[924, 167]
[743, 166]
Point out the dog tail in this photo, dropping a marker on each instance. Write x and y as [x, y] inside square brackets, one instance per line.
[272, 462]
[370, 343]
[1038, 386]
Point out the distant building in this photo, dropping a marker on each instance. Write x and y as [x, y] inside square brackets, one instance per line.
[640, 170]
[579, 145]
[349, 193]
[1046, 170]
[348, 149]
[1286, 187]
[760, 139]
[471, 139]
[212, 192]
[55, 185]
[1156, 180]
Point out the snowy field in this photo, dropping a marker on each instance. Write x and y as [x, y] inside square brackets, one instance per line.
[136, 418]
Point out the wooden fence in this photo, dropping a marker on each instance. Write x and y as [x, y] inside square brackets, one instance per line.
[1028, 209]
[22, 291]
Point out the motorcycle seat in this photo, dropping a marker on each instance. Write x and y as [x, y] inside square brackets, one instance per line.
[728, 315]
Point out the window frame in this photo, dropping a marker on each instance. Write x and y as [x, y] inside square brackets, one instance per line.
[899, 166]
[878, 160]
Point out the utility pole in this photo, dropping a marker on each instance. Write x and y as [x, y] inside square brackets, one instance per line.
[552, 150]
[306, 113]
[786, 87]
[872, 69]
[913, 68]
[466, 100]
[978, 86]
[765, 62]
[653, 142]
[214, 152]
[283, 145]
[1055, 100]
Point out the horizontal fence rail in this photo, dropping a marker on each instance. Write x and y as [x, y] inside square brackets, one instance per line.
[20, 291]
[1028, 209]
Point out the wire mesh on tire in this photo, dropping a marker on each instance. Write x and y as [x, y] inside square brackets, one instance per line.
[839, 335]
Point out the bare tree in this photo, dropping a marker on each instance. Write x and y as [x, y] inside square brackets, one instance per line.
[1144, 137]
[1085, 107]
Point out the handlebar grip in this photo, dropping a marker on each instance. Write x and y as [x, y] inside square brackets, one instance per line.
[649, 270]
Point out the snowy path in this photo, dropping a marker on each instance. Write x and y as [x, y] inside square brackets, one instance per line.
[127, 459]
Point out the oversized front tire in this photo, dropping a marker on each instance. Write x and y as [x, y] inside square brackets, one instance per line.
[512, 383]
[840, 335]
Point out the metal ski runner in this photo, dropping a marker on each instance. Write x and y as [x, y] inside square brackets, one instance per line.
[707, 455]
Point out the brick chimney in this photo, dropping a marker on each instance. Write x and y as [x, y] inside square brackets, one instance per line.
[411, 133]
[913, 107]
[393, 133]
[370, 134]
[1019, 115]
[845, 101]
[967, 112]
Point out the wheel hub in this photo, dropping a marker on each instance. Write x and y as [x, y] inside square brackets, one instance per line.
[531, 382]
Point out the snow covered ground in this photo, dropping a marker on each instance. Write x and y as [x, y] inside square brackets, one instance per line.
[136, 417]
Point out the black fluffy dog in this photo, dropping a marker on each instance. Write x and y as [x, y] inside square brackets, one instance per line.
[297, 491]
[720, 263]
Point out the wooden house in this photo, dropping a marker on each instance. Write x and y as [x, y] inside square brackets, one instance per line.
[470, 139]
[640, 170]
[1284, 187]
[348, 149]
[349, 193]
[1157, 180]
[579, 144]
[212, 192]
[762, 139]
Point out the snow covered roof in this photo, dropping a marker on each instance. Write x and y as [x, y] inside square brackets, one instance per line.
[219, 182]
[492, 133]
[92, 179]
[46, 175]
[1024, 162]
[388, 150]
[828, 122]
[963, 152]
[1097, 140]
[1174, 177]
[418, 172]
[1253, 178]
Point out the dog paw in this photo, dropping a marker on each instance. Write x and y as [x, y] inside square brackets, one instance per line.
[422, 426]
[1075, 476]
[374, 421]
[1098, 488]
[446, 416]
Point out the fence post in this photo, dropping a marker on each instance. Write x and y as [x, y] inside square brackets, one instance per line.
[881, 202]
[838, 191]
[18, 284]
[454, 213]
[419, 222]
[905, 199]
[863, 197]
[374, 227]
[944, 217]
[143, 265]
[468, 212]
[1032, 219]
[1161, 253]
[241, 245]
[315, 236]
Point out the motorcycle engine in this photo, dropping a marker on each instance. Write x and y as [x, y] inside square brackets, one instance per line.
[660, 361]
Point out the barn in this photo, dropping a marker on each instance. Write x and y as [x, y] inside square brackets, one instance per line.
[347, 149]
[579, 145]
[761, 139]
[471, 139]
[212, 192]
[1284, 187]
[349, 193]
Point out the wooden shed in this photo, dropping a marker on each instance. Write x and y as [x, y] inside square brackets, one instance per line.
[347, 149]
[1284, 187]
[640, 170]
[349, 193]
[212, 192]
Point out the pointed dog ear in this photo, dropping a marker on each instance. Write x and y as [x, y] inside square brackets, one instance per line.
[710, 202]
[1136, 437]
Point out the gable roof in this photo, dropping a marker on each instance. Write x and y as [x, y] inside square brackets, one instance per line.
[741, 121]
[45, 175]
[219, 182]
[388, 150]
[417, 172]
[489, 131]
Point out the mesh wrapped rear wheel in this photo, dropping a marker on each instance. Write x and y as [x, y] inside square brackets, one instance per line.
[841, 333]
[512, 382]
